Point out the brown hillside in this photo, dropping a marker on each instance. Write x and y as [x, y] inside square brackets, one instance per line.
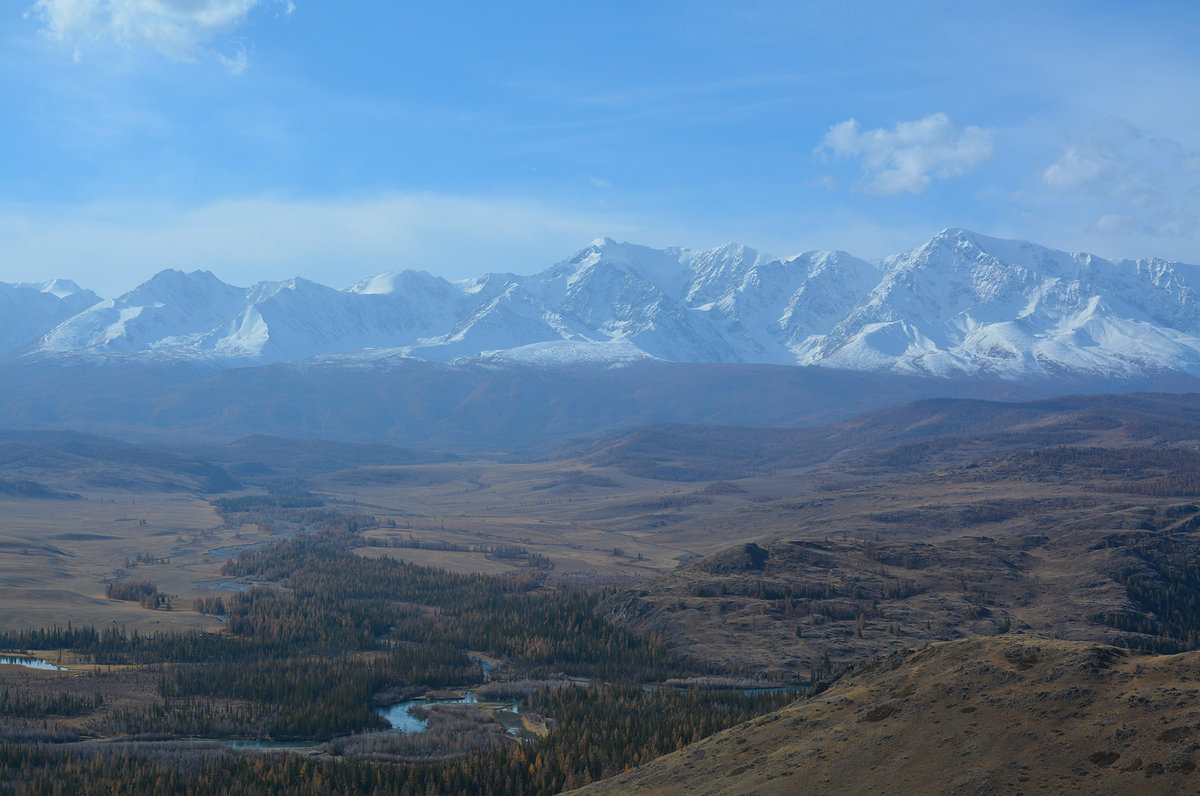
[1004, 715]
[806, 607]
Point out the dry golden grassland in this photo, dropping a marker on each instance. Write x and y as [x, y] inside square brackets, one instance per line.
[56, 557]
[596, 524]
[980, 716]
[583, 519]
[592, 523]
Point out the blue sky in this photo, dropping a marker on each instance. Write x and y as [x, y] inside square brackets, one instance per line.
[263, 139]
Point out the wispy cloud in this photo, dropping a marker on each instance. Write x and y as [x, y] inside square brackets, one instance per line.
[658, 94]
[179, 29]
[908, 157]
[1134, 180]
[1096, 158]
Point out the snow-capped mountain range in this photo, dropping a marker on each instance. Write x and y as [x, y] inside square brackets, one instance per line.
[962, 304]
[28, 310]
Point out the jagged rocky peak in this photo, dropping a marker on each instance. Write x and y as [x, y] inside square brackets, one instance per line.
[171, 285]
[717, 271]
[961, 303]
[666, 269]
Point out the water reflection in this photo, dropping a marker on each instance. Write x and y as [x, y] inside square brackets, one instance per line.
[32, 663]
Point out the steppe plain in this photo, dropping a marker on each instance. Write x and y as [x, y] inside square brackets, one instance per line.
[1012, 537]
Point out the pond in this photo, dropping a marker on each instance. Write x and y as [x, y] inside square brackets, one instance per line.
[31, 663]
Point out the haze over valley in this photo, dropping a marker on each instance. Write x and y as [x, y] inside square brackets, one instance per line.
[680, 398]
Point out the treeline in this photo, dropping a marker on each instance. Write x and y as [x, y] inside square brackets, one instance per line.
[266, 503]
[1185, 484]
[603, 730]
[115, 645]
[1158, 472]
[1166, 586]
[503, 552]
[599, 732]
[304, 660]
[337, 600]
[142, 592]
[301, 698]
[50, 638]
[310, 658]
[294, 509]
[35, 706]
[214, 606]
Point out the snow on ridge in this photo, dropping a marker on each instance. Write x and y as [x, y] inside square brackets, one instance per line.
[561, 353]
[63, 288]
[960, 304]
[28, 310]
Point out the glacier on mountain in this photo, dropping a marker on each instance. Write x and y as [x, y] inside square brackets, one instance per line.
[962, 304]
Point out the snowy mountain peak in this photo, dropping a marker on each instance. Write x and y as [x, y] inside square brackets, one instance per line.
[170, 278]
[171, 286]
[65, 288]
[961, 303]
[394, 282]
[28, 310]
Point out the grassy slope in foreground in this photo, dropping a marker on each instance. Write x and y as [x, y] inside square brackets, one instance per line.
[1001, 715]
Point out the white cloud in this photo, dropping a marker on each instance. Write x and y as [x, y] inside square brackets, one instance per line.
[1094, 158]
[179, 29]
[1075, 169]
[111, 249]
[1129, 180]
[236, 62]
[908, 157]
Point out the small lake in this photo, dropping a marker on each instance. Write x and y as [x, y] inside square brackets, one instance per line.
[31, 663]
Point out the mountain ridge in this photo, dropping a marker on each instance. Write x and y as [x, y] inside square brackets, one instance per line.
[962, 304]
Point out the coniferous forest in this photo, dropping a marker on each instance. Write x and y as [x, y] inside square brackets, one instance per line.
[310, 654]
[324, 662]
